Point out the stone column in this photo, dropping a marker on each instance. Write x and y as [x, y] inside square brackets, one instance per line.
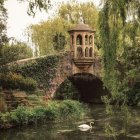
[74, 45]
[93, 45]
[83, 44]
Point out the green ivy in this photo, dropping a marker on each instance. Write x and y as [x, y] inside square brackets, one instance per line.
[43, 70]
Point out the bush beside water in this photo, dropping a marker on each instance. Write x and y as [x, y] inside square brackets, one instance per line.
[53, 111]
[16, 81]
[3, 106]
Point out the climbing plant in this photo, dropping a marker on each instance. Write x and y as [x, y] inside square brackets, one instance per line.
[43, 70]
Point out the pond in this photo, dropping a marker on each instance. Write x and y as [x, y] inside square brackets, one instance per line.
[69, 130]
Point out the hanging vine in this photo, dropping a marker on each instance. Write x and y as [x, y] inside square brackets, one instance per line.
[115, 32]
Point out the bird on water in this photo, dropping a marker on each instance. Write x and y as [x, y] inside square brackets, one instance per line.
[85, 126]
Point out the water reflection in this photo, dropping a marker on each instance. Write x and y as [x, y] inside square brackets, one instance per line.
[70, 131]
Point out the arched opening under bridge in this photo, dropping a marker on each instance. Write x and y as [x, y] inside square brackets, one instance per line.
[82, 86]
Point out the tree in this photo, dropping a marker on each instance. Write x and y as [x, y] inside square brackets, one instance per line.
[34, 5]
[52, 36]
[116, 35]
[45, 35]
[15, 51]
[72, 12]
[3, 18]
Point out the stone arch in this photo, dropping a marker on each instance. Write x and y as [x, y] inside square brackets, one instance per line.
[85, 87]
[91, 52]
[79, 52]
[86, 40]
[90, 40]
[79, 40]
[86, 52]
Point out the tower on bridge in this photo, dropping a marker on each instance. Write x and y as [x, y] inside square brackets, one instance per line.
[82, 48]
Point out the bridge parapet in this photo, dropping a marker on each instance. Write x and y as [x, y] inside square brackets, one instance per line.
[69, 66]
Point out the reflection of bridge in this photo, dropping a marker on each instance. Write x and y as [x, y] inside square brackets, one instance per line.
[80, 65]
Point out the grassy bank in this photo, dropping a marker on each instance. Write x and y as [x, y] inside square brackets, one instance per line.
[52, 111]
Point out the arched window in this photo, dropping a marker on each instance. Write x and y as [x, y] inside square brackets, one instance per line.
[79, 40]
[90, 39]
[86, 40]
[90, 52]
[79, 52]
[86, 52]
[72, 39]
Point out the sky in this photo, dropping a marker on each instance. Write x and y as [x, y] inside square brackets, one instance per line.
[19, 20]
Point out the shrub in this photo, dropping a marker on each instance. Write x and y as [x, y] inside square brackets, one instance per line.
[54, 111]
[28, 84]
[72, 109]
[3, 106]
[17, 81]
[134, 94]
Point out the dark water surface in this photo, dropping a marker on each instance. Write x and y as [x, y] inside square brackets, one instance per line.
[69, 130]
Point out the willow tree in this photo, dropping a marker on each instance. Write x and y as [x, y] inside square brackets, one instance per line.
[119, 24]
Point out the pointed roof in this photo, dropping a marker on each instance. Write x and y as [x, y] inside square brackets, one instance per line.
[81, 27]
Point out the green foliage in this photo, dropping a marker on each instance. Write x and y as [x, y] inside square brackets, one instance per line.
[67, 91]
[116, 36]
[134, 94]
[59, 42]
[54, 111]
[46, 35]
[72, 109]
[3, 106]
[28, 84]
[42, 70]
[128, 67]
[118, 33]
[3, 18]
[14, 52]
[51, 36]
[33, 6]
[16, 81]
[126, 118]
[71, 12]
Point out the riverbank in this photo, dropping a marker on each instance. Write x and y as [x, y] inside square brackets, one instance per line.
[68, 130]
[51, 111]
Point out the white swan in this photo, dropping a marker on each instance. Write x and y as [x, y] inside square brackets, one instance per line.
[85, 126]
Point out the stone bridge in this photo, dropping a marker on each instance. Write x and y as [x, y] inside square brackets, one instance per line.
[89, 84]
[81, 65]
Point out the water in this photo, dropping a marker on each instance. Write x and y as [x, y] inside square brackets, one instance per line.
[69, 130]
